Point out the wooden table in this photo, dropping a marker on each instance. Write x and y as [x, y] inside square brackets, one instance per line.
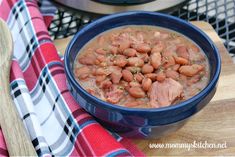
[214, 124]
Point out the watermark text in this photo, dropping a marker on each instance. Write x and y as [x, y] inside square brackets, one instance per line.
[189, 146]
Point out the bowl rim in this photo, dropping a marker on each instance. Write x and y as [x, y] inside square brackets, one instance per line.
[104, 104]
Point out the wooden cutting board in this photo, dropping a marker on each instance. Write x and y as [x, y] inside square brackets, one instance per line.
[215, 124]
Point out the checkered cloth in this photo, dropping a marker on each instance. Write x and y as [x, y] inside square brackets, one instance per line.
[57, 125]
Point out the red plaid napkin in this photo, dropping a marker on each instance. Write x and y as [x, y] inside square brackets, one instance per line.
[55, 122]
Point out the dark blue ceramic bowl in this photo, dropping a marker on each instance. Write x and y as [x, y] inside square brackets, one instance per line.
[138, 122]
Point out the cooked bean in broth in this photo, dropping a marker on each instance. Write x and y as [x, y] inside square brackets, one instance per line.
[142, 67]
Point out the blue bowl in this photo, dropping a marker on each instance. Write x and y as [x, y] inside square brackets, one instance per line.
[139, 122]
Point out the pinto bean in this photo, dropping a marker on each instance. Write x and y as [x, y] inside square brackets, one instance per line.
[152, 76]
[147, 68]
[181, 60]
[82, 72]
[176, 67]
[102, 71]
[158, 47]
[120, 61]
[146, 84]
[132, 103]
[106, 84]
[182, 52]
[172, 74]
[139, 77]
[113, 49]
[93, 71]
[135, 61]
[116, 75]
[101, 51]
[143, 56]
[130, 52]
[190, 70]
[124, 84]
[127, 75]
[88, 59]
[134, 84]
[124, 45]
[134, 69]
[167, 54]
[161, 76]
[100, 78]
[103, 64]
[136, 92]
[168, 61]
[155, 60]
[127, 87]
[101, 58]
[121, 43]
[97, 62]
[142, 47]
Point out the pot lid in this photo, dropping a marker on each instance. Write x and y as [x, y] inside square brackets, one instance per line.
[103, 8]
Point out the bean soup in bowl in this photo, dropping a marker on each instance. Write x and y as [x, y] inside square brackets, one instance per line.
[142, 67]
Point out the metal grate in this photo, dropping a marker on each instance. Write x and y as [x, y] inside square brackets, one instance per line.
[219, 13]
[66, 24]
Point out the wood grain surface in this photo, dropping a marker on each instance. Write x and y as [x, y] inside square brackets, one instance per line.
[17, 140]
[215, 124]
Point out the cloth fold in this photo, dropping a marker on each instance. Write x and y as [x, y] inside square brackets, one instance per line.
[56, 124]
